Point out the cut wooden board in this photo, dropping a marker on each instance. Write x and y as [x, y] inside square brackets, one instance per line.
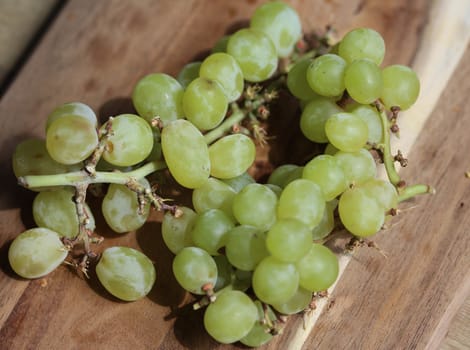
[94, 53]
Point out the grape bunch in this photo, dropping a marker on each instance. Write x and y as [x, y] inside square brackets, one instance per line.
[249, 250]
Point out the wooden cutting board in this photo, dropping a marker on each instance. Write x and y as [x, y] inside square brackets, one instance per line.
[94, 52]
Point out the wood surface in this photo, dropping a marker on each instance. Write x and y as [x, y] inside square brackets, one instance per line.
[95, 52]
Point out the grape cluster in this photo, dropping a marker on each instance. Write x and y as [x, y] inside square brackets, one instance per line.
[251, 250]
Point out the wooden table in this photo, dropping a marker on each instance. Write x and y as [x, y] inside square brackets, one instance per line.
[96, 51]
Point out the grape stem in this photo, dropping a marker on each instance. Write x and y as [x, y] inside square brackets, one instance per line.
[236, 117]
[411, 191]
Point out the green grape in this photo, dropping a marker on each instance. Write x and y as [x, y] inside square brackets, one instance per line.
[158, 95]
[254, 52]
[346, 131]
[326, 172]
[274, 281]
[276, 189]
[281, 23]
[358, 167]
[318, 269]
[246, 247]
[72, 108]
[126, 273]
[231, 156]
[186, 153]
[371, 117]
[120, 208]
[297, 81]
[362, 43]
[130, 141]
[288, 240]
[325, 75]
[400, 87]
[360, 213]
[383, 191]
[176, 230]
[71, 138]
[363, 81]
[214, 194]
[221, 44]
[156, 152]
[36, 252]
[225, 70]
[298, 302]
[194, 269]
[255, 205]
[327, 223]
[204, 103]
[240, 181]
[283, 174]
[210, 230]
[260, 332]
[230, 317]
[330, 150]
[56, 211]
[302, 200]
[224, 272]
[241, 280]
[314, 117]
[188, 73]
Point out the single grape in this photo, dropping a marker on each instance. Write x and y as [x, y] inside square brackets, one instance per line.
[314, 117]
[276, 189]
[383, 192]
[362, 43]
[221, 44]
[126, 273]
[156, 152]
[371, 117]
[358, 167]
[225, 272]
[297, 303]
[363, 81]
[297, 81]
[327, 223]
[346, 131]
[214, 194]
[330, 150]
[210, 230]
[260, 332]
[240, 181]
[246, 247]
[176, 230]
[400, 87]
[36, 252]
[188, 73]
[325, 75]
[72, 108]
[284, 174]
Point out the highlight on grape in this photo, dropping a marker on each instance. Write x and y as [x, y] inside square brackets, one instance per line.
[255, 245]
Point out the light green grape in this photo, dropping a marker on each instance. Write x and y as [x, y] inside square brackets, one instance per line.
[318, 269]
[156, 152]
[284, 174]
[325, 75]
[231, 156]
[363, 81]
[314, 117]
[297, 81]
[210, 230]
[130, 141]
[246, 247]
[230, 317]
[281, 23]
[204, 103]
[214, 194]
[194, 269]
[383, 192]
[120, 208]
[188, 73]
[225, 70]
[176, 230]
[288, 240]
[327, 223]
[36, 252]
[56, 211]
[75, 109]
[259, 333]
[240, 181]
[400, 87]
[254, 52]
[362, 43]
[371, 117]
[126, 273]
[330, 150]
[255, 205]
[358, 167]
[225, 272]
[241, 279]
[276, 189]
[186, 153]
[297, 303]
[346, 131]
[158, 95]
[221, 44]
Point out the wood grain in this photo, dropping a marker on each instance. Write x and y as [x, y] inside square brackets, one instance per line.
[95, 52]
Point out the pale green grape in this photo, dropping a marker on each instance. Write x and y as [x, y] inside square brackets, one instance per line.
[130, 141]
[241, 279]
[326, 172]
[327, 223]
[362, 43]
[318, 269]
[225, 70]
[156, 153]
[120, 208]
[188, 73]
[231, 156]
[210, 230]
[240, 181]
[176, 230]
[194, 268]
[371, 117]
[254, 52]
[358, 166]
[225, 272]
[288, 240]
[283, 174]
[246, 247]
[259, 333]
[214, 194]
[36, 252]
[383, 192]
[363, 81]
[346, 131]
[204, 103]
[186, 153]
[126, 273]
[72, 108]
[255, 205]
[400, 87]
[302, 200]
[298, 302]
[314, 117]
[158, 95]
[276, 189]
[330, 149]
[281, 23]
[325, 75]
[221, 44]
[56, 211]
[230, 317]
[274, 281]
[297, 81]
